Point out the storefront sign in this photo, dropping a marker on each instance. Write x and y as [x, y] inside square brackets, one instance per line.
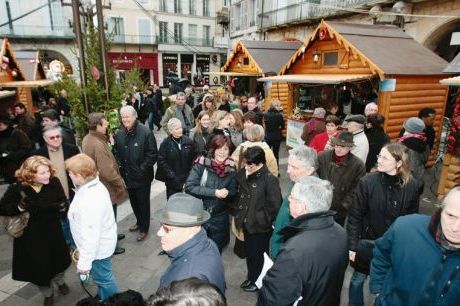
[388, 85]
[294, 133]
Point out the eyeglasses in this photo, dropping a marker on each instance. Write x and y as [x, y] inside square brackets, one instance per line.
[380, 156]
[54, 137]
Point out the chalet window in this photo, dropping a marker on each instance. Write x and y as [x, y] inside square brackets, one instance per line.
[331, 58]
[246, 61]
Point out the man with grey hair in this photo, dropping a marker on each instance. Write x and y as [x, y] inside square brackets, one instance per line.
[58, 152]
[312, 264]
[371, 109]
[302, 162]
[136, 153]
[417, 260]
[315, 126]
[181, 111]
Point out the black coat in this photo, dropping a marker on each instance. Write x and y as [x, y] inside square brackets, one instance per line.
[150, 105]
[377, 201]
[41, 252]
[200, 141]
[69, 151]
[344, 178]
[137, 153]
[173, 164]
[15, 145]
[312, 263]
[259, 200]
[377, 138]
[208, 192]
[274, 124]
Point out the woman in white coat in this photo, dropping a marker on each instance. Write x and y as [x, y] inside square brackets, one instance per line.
[92, 223]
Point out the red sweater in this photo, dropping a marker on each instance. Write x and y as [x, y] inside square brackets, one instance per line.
[319, 142]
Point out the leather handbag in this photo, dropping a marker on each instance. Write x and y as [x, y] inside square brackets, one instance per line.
[15, 225]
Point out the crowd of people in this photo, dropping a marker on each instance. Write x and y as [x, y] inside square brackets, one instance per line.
[353, 199]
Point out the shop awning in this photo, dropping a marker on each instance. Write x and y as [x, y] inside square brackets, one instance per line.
[316, 78]
[32, 84]
[229, 73]
[455, 81]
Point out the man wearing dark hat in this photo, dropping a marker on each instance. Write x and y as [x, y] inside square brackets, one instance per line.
[343, 169]
[355, 125]
[191, 252]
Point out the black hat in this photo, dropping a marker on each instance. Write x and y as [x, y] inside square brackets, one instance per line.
[356, 118]
[345, 139]
[182, 210]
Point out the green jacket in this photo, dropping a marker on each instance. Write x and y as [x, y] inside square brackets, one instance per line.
[283, 218]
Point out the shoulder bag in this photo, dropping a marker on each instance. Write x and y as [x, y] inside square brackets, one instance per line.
[15, 225]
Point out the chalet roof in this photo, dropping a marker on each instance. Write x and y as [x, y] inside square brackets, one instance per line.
[270, 56]
[386, 48]
[454, 66]
[6, 50]
[30, 64]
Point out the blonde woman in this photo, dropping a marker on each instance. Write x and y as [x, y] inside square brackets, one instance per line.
[92, 223]
[236, 126]
[40, 255]
[201, 132]
[207, 104]
[255, 135]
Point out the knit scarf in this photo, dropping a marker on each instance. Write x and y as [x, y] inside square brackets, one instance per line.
[420, 136]
[219, 168]
[441, 239]
[339, 159]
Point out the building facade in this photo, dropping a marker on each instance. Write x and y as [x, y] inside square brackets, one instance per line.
[186, 37]
[296, 19]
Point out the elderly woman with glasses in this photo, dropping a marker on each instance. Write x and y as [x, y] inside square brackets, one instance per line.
[93, 225]
[175, 158]
[380, 197]
[40, 255]
[255, 211]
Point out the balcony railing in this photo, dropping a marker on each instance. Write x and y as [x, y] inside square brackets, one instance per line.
[133, 39]
[194, 41]
[36, 31]
[311, 9]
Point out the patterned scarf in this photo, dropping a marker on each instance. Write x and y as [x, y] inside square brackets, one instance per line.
[420, 136]
[441, 239]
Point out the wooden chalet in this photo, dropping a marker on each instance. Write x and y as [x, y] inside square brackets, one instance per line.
[253, 59]
[403, 74]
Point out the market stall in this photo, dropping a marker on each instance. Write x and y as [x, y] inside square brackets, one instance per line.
[450, 172]
[252, 59]
[352, 64]
[21, 72]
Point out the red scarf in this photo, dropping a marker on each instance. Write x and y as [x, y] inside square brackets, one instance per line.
[339, 159]
[219, 168]
[420, 136]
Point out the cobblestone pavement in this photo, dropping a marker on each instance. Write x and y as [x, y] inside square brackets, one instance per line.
[140, 267]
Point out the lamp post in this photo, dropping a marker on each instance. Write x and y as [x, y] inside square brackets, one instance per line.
[100, 29]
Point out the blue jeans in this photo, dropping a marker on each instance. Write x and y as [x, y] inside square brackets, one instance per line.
[67, 234]
[101, 272]
[355, 292]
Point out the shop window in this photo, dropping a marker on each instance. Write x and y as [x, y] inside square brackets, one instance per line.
[331, 58]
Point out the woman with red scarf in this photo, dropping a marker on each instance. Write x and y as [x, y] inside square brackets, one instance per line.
[213, 179]
[321, 142]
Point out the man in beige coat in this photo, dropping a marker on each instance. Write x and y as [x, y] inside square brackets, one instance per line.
[96, 145]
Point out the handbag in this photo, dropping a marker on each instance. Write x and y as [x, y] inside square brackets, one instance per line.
[15, 225]
[363, 257]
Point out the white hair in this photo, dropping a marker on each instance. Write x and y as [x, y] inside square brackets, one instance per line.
[369, 105]
[305, 154]
[319, 112]
[172, 123]
[451, 193]
[314, 193]
[128, 109]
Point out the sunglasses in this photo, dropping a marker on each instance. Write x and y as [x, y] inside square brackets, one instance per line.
[54, 137]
